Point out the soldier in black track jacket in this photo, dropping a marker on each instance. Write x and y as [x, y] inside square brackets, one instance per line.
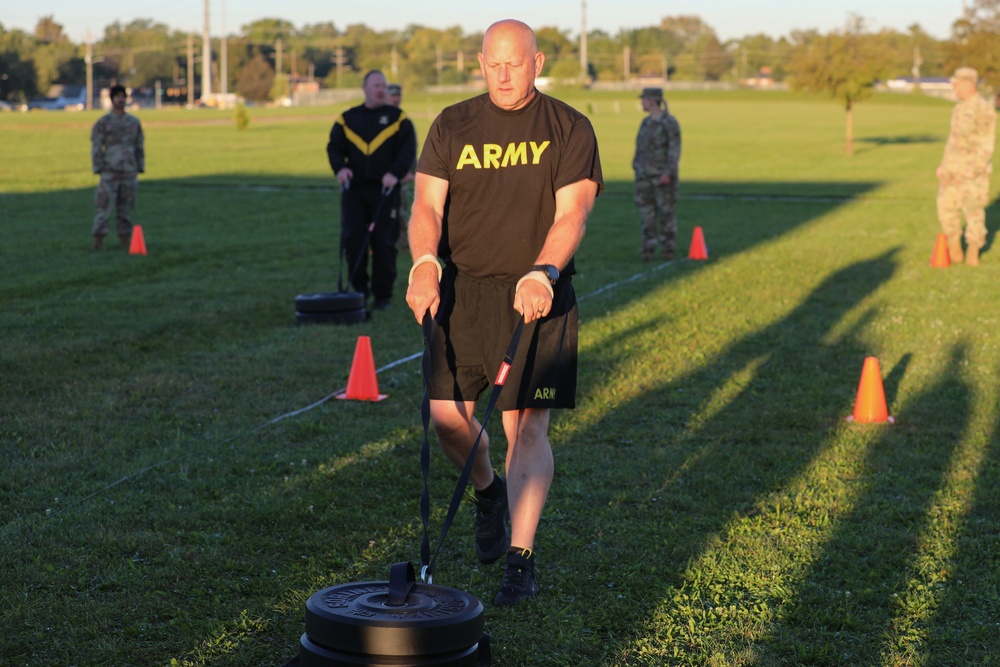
[372, 147]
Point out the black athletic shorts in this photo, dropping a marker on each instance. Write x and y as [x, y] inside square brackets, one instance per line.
[472, 332]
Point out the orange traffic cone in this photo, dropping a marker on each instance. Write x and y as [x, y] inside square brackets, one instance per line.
[138, 245]
[869, 406]
[698, 249]
[362, 384]
[939, 258]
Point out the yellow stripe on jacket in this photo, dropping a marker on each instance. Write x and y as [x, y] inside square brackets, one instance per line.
[376, 143]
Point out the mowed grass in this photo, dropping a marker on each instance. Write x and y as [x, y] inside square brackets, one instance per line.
[175, 486]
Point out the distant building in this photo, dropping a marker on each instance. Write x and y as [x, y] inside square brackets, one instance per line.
[935, 86]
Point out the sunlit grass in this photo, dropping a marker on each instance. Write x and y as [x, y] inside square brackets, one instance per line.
[165, 497]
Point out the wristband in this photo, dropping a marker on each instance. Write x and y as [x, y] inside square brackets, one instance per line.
[423, 259]
[540, 277]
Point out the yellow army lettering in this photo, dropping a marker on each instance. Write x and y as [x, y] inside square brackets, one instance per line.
[494, 156]
[545, 393]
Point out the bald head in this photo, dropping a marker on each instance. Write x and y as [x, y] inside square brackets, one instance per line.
[514, 30]
[510, 62]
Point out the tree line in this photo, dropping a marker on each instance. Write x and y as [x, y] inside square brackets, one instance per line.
[268, 55]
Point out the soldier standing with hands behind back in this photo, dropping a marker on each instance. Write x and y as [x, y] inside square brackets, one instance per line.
[118, 154]
[657, 154]
[964, 173]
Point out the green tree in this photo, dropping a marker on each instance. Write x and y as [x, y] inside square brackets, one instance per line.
[846, 64]
[256, 79]
[562, 58]
[701, 57]
[928, 53]
[18, 79]
[976, 41]
[141, 52]
[49, 32]
[51, 53]
[431, 54]
[606, 54]
[269, 31]
[759, 54]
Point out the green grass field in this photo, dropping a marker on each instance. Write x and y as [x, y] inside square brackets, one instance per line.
[163, 501]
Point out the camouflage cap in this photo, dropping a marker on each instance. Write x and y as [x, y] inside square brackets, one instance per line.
[966, 74]
[394, 89]
[655, 93]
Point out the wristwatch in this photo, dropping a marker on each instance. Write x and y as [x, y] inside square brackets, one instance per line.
[551, 272]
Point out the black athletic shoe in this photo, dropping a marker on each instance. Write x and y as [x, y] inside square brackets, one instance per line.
[519, 579]
[383, 304]
[491, 525]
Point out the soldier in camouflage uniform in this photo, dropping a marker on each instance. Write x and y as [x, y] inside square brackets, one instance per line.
[394, 97]
[964, 173]
[657, 154]
[118, 155]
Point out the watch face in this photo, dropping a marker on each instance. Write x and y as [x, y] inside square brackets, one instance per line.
[551, 272]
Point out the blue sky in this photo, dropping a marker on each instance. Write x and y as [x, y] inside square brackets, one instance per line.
[729, 18]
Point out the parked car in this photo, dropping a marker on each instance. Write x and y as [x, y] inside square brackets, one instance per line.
[70, 98]
[43, 104]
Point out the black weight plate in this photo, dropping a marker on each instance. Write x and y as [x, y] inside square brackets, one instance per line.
[329, 302]
[353, 618]
[312, 654]
[346, 317]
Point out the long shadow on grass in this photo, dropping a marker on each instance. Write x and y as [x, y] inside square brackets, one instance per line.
[992, 215]
[678, 471]
[965, 629]
[868, 597]
[665, 493]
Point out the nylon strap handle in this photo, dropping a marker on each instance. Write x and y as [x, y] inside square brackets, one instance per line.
[427, 572]
[341, 254]
[401, 581]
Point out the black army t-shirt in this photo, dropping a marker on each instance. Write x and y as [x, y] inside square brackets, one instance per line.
[503, 169]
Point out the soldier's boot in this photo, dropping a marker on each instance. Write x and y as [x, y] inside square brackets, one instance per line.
[955, 250]
[972, 256]
[98, 242]
[125, 240]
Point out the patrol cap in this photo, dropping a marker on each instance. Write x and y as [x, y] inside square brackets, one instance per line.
[394, 89]
[966, 74]
[655, 93]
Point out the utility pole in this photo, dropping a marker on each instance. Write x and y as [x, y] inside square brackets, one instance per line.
[583, 40]
[917, 62]
[89, 59]
[190, 74]
[277, 59]
[440, 63]
[627, 58]
[339, 59]
[223, 64]
[206, 59]
[394, 67]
